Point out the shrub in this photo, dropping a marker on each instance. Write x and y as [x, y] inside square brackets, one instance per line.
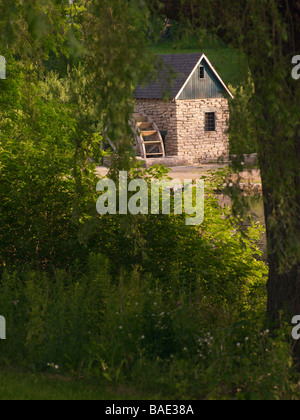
[53, 320]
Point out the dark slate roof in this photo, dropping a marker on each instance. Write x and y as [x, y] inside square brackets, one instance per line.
[174, 67]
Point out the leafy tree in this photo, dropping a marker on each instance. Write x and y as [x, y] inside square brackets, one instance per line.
[46, 185]
[111, 37]
[269, 34]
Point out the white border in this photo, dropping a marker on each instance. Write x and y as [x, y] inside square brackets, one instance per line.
[203, 56]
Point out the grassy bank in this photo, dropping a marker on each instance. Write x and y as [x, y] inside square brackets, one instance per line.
[16, 385]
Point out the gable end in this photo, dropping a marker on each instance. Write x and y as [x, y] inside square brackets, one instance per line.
[209, 86]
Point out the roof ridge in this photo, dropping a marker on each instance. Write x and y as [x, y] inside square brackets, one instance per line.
[182, 65]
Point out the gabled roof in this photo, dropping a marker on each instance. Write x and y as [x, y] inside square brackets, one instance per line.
[176, 69]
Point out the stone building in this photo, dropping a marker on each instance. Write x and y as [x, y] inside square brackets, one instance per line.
[191, 113]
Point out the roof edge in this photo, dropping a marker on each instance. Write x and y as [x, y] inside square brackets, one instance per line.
[203, 56]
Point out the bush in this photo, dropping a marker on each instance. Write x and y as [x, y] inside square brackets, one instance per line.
[53, 320]
[47, 182]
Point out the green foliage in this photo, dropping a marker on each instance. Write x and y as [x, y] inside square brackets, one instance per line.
[180, 345]
[182, 317]
[228, 61]
[53, 320]
[213, 251]
[143, 300]
[46, 178]
[20, 386]
[118, 60]
[187, 311]
[242, 133]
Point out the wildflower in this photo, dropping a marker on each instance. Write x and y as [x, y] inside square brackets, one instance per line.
[143, 337]
[120, 327]
[247, 339]
[238, 344]
[185, 349]
[56, 367]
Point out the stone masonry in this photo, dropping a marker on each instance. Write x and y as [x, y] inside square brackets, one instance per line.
[184, 120]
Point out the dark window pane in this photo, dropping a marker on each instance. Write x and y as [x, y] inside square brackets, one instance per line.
[201, 73]
[210, 121]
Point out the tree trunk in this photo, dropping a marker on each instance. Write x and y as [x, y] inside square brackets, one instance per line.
[283, 283]
[256, 28]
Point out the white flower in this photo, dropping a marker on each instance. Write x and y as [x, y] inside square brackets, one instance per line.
[247, 339]
[56, 367]
[143, 337]
[120, 327]
[238, 344]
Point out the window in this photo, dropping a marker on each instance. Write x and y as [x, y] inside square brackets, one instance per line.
[210, 121]
[201, 73]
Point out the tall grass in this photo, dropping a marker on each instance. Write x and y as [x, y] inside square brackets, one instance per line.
[179, 344]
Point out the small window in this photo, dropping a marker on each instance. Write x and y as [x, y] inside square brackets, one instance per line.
[201, 73]
[210, 121]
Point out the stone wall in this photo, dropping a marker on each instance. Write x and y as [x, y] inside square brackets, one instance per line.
[164, 115]
[192, 139]
[185, 122]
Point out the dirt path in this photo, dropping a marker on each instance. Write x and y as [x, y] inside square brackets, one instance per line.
[196, 172]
